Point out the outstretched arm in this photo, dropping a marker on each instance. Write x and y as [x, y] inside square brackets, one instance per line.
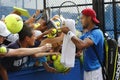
[27, 51]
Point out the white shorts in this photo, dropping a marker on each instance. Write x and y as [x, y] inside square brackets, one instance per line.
[93, 75]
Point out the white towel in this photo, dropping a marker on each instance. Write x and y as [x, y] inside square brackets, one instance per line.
[68, 47]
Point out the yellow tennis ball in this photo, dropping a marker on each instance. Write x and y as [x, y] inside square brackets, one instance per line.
[3, 50]
[59, 66]
[54, 57]
[14, 23]
[57, 24]
[36, 25]
[54, 31]
[81, 58]
[52, 34]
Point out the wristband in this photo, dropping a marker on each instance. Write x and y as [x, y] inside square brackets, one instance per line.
[70, 34]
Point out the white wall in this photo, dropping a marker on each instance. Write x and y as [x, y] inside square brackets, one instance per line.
[32, 4]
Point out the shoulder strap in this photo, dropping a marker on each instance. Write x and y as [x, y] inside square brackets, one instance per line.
[97, 55]
[96, 50]
[104, 71]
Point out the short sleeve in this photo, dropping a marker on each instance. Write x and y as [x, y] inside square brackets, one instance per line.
[95, 36]
[82, 37]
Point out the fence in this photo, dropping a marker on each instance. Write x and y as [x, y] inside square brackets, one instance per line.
[107, 11]
[112, 17]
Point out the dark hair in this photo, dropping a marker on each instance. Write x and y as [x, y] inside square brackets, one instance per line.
[26, 31]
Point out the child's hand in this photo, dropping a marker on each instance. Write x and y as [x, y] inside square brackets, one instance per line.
[37, 12]
[16, 12]
[47, 32]
[79, 53]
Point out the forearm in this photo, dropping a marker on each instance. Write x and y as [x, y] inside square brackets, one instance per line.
[25, 51]
[80, 44]
[30, 20]
[45, 54]
[3, 73]
[45, 64]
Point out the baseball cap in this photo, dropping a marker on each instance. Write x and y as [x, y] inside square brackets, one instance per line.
[90, 12]
[3, 30]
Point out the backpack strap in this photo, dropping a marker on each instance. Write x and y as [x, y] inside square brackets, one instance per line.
[104, 72]
[97, 55]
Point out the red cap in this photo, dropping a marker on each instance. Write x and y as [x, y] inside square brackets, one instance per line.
[90, 12]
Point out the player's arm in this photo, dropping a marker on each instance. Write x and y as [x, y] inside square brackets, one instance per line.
[80, 44]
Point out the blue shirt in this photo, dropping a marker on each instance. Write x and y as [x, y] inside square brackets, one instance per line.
[91, 61]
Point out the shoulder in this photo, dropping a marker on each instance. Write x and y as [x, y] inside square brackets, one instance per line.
[97, 33]
[13, 45]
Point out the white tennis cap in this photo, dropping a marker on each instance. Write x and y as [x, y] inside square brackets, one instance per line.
[3, 30]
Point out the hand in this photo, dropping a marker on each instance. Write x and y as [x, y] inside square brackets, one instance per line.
[37, 12]
[65, 30]
[16, 12]
[48, 46]
[55, 17]
[50, 69]
[79, 53]
[43, 26]
[30, 20]
[55, 53]
[48, 31]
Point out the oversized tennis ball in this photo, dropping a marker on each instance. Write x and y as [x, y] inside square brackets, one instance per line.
[3, 50]
[14, 23]
[59, 66]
